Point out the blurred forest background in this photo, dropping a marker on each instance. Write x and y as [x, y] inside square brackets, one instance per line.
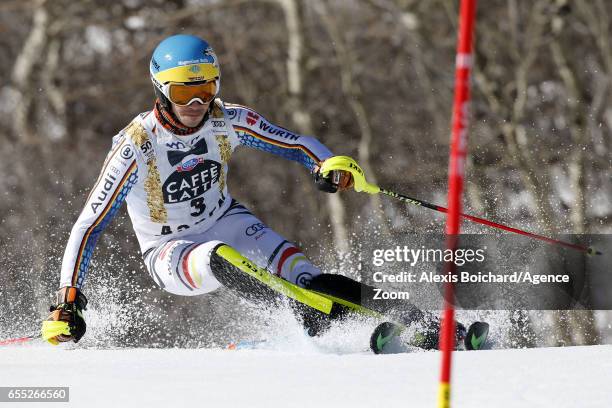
[372, 79]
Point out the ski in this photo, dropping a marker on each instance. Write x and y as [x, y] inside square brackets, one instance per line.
[238, 273]
[332, 297]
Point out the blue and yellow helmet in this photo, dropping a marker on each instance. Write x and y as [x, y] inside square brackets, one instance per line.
[183, 59]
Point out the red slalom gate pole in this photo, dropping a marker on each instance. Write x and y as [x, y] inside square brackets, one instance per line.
[456, 171]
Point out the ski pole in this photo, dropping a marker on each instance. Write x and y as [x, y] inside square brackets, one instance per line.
[20, 340]
[361, 185]
[588, 250]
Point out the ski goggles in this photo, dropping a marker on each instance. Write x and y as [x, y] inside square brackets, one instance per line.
[183, 94]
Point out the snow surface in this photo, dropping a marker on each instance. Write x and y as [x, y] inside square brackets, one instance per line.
[307, 377]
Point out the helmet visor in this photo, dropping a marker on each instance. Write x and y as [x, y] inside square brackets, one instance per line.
[182, 94]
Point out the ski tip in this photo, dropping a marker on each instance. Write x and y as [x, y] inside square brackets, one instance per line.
[477, 335]
[382, 336]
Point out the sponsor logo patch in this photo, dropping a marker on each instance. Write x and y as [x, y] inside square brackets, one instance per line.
[189, 184]
[278, 131]
[303, 279]
[252, 118]
[254, 229]
[197, 78]
[189, 164]
[127, 152]
[107, 186]
[232, 113]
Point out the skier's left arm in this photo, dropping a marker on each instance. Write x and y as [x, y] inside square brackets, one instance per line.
[253, 130]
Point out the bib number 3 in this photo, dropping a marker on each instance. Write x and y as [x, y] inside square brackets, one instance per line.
[198, 206]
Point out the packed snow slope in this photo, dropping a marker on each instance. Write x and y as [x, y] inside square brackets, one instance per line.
[546, 377]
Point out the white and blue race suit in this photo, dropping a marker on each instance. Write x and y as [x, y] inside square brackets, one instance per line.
[176, 191]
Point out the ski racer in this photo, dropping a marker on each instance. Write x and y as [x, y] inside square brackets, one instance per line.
[170, 165]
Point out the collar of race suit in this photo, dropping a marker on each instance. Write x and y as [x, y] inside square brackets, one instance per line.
[170, 122]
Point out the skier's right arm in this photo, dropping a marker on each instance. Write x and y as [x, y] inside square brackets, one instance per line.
[119, 173]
